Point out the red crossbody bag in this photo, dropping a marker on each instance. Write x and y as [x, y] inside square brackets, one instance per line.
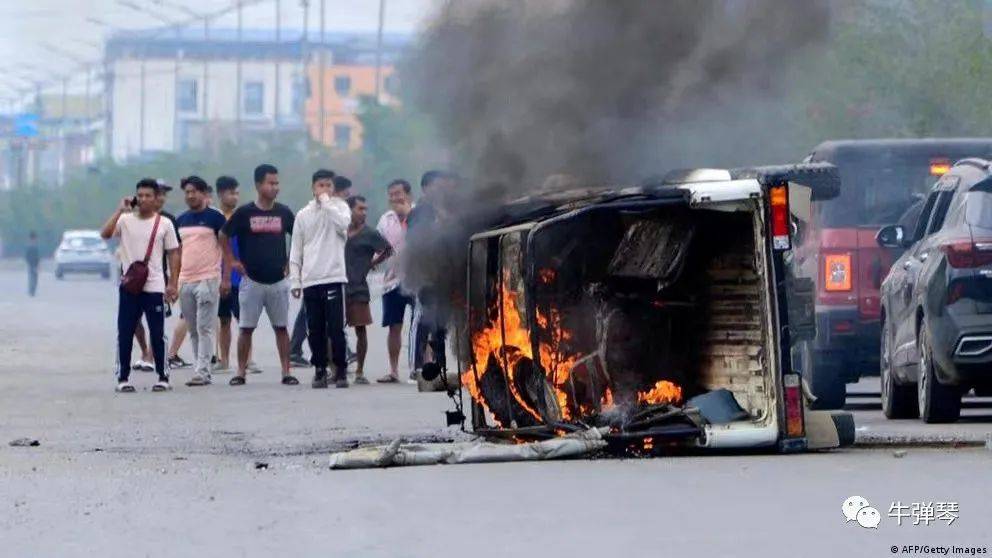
[134, 279]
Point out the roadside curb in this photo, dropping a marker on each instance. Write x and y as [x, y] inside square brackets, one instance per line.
[877, 440]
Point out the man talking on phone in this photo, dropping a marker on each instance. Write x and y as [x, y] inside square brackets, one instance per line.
[146, 238]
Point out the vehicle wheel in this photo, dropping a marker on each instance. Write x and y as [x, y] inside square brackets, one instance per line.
[59, 274]
[937, 402]
[824, 378]
[898, 401]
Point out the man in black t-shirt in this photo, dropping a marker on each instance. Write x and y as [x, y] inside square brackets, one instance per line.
[260, 230]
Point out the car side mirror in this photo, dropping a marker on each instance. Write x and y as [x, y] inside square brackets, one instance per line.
[892, 236]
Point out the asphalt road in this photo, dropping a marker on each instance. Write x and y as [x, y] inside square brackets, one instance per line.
[175, 474]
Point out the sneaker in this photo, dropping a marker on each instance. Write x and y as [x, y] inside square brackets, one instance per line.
[414, 375]
[124, 387]
[361, 380]
[319, 381]
[178, 362]
[143, 366]
[161, 385]
[341, 383]
[297, 361]
[253, 368]
[198, 380]
[352, 356]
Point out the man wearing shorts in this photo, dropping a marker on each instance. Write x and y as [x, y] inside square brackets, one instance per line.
[260, 228]
[227, 308]
[392, 226]
[366, 248]
[317, 272]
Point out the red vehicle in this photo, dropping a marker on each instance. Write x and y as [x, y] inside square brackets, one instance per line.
[882, 181]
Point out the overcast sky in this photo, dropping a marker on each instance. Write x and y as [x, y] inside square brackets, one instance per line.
[32, 32]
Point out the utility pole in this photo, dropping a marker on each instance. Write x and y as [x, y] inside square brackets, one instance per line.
[378, 53]
[239, 86]
[278, 65]
[305, 55]
[63, 121]
[323, 69]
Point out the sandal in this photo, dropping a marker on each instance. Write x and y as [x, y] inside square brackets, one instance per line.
[161, 386]
[237, 381]
[390, 379]
[290, 381]
[124, 387]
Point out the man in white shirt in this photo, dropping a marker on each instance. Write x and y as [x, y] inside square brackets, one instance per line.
[317, 272]
[145, 236]
[392, 225]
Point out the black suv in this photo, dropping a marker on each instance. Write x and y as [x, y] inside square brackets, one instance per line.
[936, 340]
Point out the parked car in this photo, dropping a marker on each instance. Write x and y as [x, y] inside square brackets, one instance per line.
[83, 252]
[936, 341]
[880, 179]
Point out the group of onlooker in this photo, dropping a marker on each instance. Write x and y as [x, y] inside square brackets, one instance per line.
[233, 262]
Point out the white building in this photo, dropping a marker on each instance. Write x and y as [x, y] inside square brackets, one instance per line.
[172, 91]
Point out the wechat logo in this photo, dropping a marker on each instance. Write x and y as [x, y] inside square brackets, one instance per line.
[858, 509]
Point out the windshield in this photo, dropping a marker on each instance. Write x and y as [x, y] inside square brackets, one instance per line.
[83, 243]
[875, 195]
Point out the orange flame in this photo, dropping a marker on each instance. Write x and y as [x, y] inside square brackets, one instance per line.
[490, 341]
[662, 392]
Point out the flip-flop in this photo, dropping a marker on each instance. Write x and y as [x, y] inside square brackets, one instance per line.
[125, 388]
[237, 381]
[161, 386]
[388, 380]
[290, 381]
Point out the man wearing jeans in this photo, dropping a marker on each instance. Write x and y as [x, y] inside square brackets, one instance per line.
[199, 278]
[260, 228]
[317, 272]
[144, 236]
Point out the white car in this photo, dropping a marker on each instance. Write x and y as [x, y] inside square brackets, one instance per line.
[83, 252]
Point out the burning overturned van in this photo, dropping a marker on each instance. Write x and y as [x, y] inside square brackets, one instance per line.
[661, 314]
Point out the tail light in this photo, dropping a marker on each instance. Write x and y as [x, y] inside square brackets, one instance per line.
[966, 254]
[837, 272]
[779, 198]
[793, 406]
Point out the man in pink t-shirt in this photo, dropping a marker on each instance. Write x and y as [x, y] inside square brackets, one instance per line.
[199, 277]
[137, 232]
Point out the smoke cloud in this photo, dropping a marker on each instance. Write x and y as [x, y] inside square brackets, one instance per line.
[553, 94]
[606, 90]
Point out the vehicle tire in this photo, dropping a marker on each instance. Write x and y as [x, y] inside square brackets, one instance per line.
[898, 401]
[937, 402]
[824, 378]
[59, 274]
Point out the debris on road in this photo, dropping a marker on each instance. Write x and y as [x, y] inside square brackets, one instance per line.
[24, 443]
[260, 465]
[397, 453]
[899, 454]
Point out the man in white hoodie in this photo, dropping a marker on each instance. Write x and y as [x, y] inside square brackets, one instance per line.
[317, 272]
